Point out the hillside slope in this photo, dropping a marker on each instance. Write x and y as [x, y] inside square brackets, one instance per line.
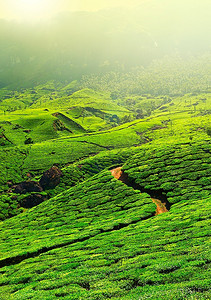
[100, 240]
[95, 236]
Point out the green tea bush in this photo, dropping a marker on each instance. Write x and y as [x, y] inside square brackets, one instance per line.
[184, 177]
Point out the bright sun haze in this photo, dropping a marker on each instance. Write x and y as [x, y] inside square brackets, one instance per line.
[34, 10]
[30, 10]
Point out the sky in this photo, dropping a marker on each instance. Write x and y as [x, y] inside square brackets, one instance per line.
[34, 10]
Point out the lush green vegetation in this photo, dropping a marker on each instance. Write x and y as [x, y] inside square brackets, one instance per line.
[105, 142]
[92, 242]
[94, 237]
[181, 172]
[169, 76]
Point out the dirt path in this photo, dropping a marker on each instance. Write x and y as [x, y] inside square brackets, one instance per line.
[161, 207]
[118, 174]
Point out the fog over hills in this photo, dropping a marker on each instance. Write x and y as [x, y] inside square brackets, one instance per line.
[76, 43]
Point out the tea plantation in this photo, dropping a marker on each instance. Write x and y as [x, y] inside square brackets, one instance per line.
[93, 236]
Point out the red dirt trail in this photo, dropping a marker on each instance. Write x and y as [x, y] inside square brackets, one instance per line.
[119, 174]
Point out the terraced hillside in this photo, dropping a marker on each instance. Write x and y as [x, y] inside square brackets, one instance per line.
[182, 172]
[94, 236]
[101, 240]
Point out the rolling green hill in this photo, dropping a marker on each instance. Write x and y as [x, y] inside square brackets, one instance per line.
[105, 150]
[100, 240]
[94, 236]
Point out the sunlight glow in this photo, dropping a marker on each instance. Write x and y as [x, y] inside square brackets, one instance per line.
[30, 10]
[32, 3]
[35, 10]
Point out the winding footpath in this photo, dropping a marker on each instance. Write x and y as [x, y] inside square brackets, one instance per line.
[119, 174]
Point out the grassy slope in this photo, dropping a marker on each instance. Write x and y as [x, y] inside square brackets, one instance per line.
[182, 172]
[178, 123]
[100, 239]
[92, 242]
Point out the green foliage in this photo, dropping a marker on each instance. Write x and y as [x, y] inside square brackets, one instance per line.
[101, 251]
[95, 237]
[11, 162]
[209, 131]
[168, 76]
[96, 203]
[127, 104]
[181, 172]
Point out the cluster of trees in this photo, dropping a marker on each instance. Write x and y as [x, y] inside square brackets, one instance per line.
[169, 76]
